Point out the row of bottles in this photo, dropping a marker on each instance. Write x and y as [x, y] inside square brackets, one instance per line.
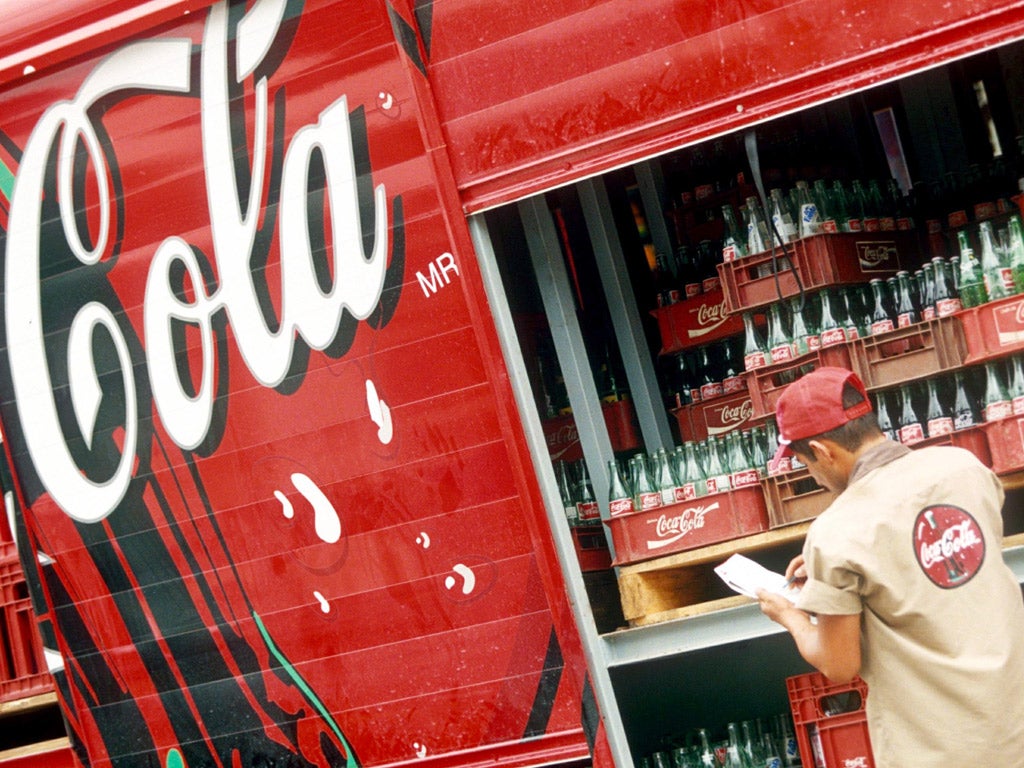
[749, 744]
[971, 396]
[834, 316]
[696, 468]
[709, 371]
[808, 210]
[803, 211]
[995, 269]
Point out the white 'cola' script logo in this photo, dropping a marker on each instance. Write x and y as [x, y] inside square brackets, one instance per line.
[709, 317]
[306, 311]
[730, 417]
[671, 528]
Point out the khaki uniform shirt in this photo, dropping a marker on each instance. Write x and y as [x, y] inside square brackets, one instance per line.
[914, 544]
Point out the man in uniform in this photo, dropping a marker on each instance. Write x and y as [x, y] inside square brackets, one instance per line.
[902, 581]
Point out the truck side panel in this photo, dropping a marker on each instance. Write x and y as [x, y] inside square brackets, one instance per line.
[263, 448]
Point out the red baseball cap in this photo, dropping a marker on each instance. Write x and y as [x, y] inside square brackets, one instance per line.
[813, 404]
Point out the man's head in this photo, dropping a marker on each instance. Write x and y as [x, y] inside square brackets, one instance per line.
[825, 419]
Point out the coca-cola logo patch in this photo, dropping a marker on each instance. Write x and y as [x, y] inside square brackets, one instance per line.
[948, 544]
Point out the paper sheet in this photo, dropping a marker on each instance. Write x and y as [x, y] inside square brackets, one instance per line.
[746, 577]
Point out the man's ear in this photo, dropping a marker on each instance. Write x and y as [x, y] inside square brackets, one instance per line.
[821, 449]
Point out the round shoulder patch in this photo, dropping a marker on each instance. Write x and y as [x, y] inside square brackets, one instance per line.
[948, 544]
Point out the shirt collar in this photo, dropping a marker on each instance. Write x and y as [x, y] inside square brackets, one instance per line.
[877, 456]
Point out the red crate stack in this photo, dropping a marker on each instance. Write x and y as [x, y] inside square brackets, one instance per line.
[811, 263]
[829, 721]
[23, 670]
[710, 519]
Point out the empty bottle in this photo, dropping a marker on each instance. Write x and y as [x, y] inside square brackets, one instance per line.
[1016, 388]
[939, 420]
[911, 429]
[645, 494]
[664, 478]
[831, 328]
[965, 413]
[620, 501]
[881, 320]
[755, 352]
[565, 491]
[734, 241]
[906, 312]
[995, 267]
[885, 420]
[587, 510]
[947, 298]
[780, 347]
[972, 281]
[996, 401]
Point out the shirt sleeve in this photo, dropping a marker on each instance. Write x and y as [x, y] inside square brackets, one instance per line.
[833, 585]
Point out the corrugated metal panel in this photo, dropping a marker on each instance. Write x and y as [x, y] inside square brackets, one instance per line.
[40, 35]
[536, 94]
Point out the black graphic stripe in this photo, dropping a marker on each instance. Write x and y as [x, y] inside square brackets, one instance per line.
[407, 38]
[547, 689]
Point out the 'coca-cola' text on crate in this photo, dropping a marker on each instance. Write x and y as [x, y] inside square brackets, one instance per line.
[563, 438]
[710, 519]
[692, 322]
[717, 416]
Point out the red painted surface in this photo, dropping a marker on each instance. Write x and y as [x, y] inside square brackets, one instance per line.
[538, 94]
[338, 554]
[56, 757]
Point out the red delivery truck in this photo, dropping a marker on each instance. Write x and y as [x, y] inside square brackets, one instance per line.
[330, 328]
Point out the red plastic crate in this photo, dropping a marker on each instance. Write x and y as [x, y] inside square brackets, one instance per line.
[830, 724]
[767, 384]
[23, 669]
[715, 417]
[693, 322]
[819, 261]
[1005, 444]
[908, 354]
[563, 438]
[995, 328]
[794, 497]
[709, 519]
[973, 439]
[591, 548]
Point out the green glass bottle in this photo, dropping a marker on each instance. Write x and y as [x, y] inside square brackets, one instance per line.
[996, 402]
[620, 500]
[972, 282]
[995, 265]
[1016, 242]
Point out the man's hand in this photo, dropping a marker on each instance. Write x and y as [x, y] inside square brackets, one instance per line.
[796, 571]
[774, 606]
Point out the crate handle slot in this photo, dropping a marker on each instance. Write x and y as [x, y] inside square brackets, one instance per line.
[841, 703]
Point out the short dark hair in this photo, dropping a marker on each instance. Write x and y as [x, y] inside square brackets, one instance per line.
[850, 435]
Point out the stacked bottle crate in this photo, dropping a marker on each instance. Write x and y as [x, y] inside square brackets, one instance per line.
[934, 339]
[23, 671]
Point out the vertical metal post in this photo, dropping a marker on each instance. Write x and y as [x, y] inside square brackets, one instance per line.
[651, 183]
[594, 648]
[629, 332]
[560, 308]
